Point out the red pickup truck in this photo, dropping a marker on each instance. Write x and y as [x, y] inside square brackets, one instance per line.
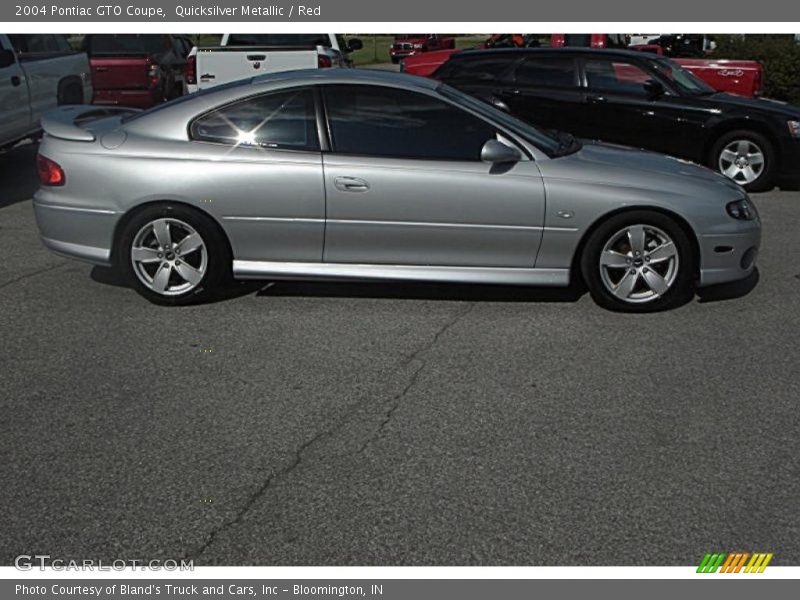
[136, 70]
[413, 44]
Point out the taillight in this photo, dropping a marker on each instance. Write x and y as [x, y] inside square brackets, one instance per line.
[50, 172]
[191, 69]
[324, 62]
[153, 73]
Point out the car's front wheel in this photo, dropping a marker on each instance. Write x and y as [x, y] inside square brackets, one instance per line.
[639, 261]
[174, 255]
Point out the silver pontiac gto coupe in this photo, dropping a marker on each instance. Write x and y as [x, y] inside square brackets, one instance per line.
[349, 174]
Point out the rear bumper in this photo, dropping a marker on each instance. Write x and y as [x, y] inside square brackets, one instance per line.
[726, 257]
[133, 98]
[82, 233]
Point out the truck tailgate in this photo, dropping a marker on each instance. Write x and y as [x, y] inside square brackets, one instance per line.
[222, 65]
[119, 72]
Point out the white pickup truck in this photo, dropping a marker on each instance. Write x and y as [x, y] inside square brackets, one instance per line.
[37, 73]
[243, 55]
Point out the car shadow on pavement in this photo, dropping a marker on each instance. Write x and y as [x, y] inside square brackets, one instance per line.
[729, 291]
[237, 289]
[18, 174]
[419, 291]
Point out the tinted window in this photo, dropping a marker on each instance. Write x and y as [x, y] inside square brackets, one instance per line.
[35, 43]
[582, 40]
[122, 44]
[280, 120]
[380, 121]
[479, 69]
[616, 76]
[279, 39]
[546, 72]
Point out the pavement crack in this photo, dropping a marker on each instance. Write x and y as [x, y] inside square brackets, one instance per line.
[256, 496]
[33, 274]
[397, 400]
[297, 460]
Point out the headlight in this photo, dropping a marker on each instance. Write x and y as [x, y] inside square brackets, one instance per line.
[794, 128]
[742, 210]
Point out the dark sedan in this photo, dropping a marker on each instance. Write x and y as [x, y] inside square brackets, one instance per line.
[640, 100]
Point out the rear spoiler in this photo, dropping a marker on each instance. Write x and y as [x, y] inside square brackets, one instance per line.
[66, 122]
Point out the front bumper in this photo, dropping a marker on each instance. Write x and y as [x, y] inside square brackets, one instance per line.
[789, 173]
[75, 232]
[726, 257]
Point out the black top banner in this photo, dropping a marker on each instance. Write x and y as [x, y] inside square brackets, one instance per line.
[467, 11]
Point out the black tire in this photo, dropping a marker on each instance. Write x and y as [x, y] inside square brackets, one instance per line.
[218, 255]
[766, 178]
[395, 60]
[679, 292]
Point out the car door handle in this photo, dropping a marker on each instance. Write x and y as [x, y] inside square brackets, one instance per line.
[350, 184]
[594, 99]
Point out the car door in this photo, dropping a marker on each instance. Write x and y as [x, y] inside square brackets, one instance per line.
[257, 165]
[15, 112]
[405, 184]
[619, 109]
[545, 90]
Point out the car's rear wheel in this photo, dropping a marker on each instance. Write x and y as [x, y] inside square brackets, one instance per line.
[639, 261]
[173, 255]
[746, 157]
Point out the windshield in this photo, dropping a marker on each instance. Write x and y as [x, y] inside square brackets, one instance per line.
[552, 143]
[682, 79]
[124, 44]
[279, 39]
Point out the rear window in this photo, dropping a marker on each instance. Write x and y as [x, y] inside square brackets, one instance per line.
[279, 39]
[481, 69]
[124, 44]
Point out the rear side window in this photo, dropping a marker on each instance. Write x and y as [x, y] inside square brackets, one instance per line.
[382, 121]
[283, 120]
[546, 72]
[486, 69]
[616, 76]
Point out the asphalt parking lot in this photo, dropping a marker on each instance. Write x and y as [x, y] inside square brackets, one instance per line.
[319, 423]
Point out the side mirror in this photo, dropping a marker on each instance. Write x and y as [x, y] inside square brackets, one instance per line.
[653, 89]
[497, 152]
[354, 44]
[7, 58]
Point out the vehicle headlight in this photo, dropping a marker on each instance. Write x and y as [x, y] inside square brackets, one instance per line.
[741, 209]
[794, 128]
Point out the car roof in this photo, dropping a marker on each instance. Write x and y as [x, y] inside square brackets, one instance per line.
[374, 76]
[516, 52]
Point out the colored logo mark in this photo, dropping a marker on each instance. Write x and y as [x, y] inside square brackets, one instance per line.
[733, 562]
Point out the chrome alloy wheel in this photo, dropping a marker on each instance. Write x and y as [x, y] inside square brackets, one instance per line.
[639, 263]
[742, 161]
[169, 257]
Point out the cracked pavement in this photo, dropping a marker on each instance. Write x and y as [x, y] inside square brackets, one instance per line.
[323, 423]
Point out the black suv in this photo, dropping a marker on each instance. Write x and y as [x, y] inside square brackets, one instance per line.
[637, 99]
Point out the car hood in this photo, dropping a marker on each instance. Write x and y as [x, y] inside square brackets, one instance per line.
[762, 104]
[631, 167]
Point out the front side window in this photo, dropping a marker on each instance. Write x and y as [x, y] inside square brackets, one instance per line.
[616, 77]
[546, 72]
[482, 69]
[382, 121]
[282, 120]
